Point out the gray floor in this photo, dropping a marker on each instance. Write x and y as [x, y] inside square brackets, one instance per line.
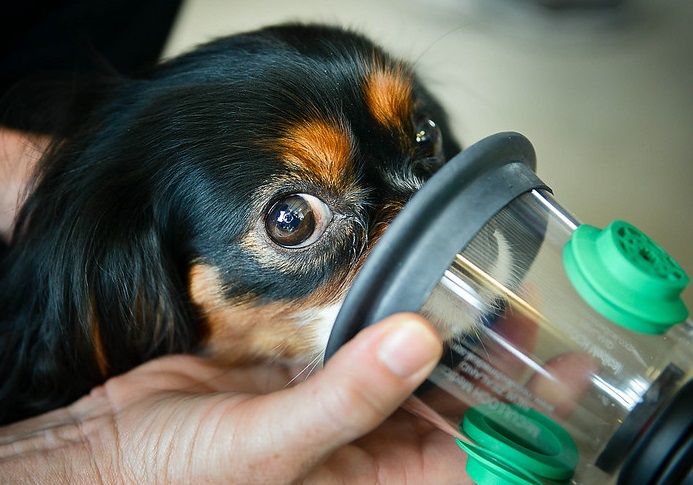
[606, 100]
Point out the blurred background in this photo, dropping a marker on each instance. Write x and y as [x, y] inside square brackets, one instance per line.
[603, 88]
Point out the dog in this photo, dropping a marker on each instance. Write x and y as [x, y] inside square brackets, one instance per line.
[220, 204]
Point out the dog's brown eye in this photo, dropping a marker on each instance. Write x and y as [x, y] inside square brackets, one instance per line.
[428, 137]
[297, 220]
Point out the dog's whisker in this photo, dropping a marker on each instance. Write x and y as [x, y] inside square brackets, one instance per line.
[317, 365]
[310, 367]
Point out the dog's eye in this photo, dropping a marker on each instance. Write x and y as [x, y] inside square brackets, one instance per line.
[428, 137]
[298, 220]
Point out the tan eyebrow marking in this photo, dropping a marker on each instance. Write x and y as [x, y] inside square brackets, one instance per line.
[318, 147]
[387, 92]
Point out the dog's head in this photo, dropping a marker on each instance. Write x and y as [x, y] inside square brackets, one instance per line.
[320, 139]
[223, 203]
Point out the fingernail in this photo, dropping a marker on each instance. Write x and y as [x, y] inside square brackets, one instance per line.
[408, 349]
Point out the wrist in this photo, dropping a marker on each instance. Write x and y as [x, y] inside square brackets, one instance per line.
[58, 447]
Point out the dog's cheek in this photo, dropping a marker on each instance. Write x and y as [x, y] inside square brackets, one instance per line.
[239, 332]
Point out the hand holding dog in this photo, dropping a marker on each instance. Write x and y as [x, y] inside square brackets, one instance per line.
[181, 419]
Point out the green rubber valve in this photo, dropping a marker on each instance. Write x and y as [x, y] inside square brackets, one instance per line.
[515, 446]
[626, 277]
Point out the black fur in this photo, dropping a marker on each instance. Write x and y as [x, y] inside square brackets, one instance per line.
[156, 173]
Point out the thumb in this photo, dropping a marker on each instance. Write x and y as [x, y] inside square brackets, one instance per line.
[361, 385]
[370, 377]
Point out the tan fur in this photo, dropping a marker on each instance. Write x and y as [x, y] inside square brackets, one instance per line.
[323, 150]
[242, 332]
[99, 349]
[388, 96]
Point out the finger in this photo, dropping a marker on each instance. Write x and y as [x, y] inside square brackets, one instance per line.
[375, 374]
[189, 373]
[358, 389]
[565, 381]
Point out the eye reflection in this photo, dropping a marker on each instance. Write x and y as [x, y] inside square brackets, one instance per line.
[297, 220]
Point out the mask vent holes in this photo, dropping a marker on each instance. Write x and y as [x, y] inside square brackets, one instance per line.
[647, 255]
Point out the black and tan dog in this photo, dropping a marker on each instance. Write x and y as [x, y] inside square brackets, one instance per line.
[220, 204]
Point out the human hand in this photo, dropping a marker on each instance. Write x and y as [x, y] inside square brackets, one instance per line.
[19, 153]
[182, 419]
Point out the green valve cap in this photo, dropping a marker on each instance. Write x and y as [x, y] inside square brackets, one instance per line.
[626, 277]
[516, 446]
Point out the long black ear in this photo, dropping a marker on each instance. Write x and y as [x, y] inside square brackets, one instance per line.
[139, 297]
[92, 286]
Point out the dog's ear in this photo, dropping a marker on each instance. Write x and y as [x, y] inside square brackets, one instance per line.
[84, 296]
[137, 299]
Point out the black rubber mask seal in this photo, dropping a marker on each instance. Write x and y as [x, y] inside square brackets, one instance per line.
[436, 224]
